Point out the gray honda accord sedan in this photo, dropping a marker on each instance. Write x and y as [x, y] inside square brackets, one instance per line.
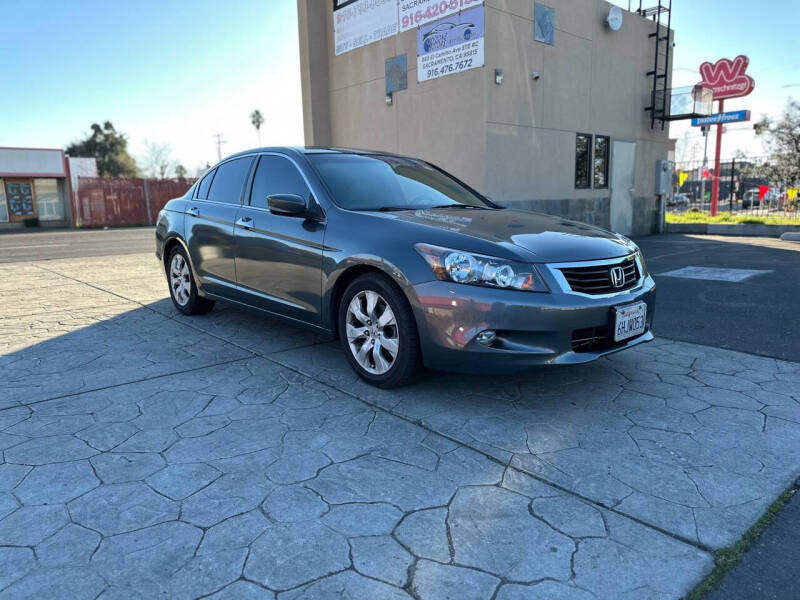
[405, 264]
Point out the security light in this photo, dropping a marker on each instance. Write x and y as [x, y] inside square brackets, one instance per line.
[498, 76]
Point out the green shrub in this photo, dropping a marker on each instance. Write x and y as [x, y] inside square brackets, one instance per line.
[697, 216]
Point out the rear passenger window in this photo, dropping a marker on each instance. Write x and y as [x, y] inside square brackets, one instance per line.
[276, 175]
[229, 180]
[202, 189]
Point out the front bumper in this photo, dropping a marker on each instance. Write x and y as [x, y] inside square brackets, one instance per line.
[532, 328]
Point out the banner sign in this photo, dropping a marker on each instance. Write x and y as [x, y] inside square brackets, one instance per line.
[727, 77]
[451, 45]
[362, 22]
[418, 12]
[726, 117]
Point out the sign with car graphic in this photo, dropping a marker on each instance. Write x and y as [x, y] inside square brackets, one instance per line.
[450, 45]
[412, 13]
[361, 22]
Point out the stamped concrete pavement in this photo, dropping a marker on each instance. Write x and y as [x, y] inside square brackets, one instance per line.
[231, 456]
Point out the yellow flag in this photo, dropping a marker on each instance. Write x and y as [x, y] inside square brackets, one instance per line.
[682, 176]
[791, 193]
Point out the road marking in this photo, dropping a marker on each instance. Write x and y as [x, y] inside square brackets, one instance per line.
[31, 246]
[714, 273]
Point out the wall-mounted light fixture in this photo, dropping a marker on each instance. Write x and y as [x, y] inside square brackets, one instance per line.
[498, 76]
[389, 99]
[535, 75]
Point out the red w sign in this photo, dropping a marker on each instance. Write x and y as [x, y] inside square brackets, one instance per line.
[727, 77]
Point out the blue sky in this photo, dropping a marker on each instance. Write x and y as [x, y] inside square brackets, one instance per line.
[180, 72]
[164, 71]
[764, 31]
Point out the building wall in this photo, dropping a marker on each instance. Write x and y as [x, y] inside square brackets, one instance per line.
[515, 141]
[45, 170]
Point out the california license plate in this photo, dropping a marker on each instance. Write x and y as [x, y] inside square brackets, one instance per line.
[629, 321]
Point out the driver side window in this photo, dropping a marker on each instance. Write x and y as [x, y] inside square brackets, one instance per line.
[276, 175]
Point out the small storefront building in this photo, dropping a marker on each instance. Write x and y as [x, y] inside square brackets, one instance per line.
[34, 188]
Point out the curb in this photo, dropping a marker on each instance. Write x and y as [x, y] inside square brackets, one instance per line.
[744, 229]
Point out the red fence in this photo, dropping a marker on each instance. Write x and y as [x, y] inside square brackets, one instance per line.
[120, 201]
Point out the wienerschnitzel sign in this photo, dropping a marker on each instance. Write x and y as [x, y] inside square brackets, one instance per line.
[727, 77]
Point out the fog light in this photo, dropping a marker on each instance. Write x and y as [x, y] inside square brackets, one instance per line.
[487, 337]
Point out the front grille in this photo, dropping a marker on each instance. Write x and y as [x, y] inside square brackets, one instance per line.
[596, 279]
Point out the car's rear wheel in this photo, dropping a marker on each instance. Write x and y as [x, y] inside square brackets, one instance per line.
[182, 288]
[378, 333]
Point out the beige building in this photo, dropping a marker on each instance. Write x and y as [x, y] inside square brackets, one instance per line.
[557, 125]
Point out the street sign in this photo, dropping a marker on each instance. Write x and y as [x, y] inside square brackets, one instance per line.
[726, 117]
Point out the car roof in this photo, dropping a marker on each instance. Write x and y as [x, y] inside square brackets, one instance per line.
[300, 150]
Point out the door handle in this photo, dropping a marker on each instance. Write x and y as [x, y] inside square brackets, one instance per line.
[245, 223]
[194, 211]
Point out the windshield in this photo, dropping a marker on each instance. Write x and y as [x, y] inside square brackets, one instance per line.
[360, 182]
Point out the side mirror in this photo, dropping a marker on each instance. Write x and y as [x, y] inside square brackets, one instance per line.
[289, 205]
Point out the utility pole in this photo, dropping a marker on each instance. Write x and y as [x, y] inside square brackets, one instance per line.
[220, 141]
[715, 181]
[704, 129]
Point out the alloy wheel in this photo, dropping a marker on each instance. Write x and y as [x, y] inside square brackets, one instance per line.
[372, 332]
[179, 280]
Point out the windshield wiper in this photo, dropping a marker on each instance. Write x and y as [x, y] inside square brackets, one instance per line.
[461, 206]
[392, 208]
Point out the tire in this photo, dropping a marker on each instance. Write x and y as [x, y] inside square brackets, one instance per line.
[182, 288]
[397, 334]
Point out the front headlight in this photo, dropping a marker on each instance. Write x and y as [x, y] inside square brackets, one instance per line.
[641, 262]
[464, 267]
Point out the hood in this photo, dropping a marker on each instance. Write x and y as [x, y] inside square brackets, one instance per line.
[548, 238]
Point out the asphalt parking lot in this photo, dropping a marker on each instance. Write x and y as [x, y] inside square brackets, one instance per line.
[145, 453]
[756, 315]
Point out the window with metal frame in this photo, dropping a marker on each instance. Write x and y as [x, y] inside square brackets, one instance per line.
[48, 201]
[601, 161]
[583, 160]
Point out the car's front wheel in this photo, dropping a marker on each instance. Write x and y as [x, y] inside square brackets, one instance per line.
[378, 332]
[182, 288]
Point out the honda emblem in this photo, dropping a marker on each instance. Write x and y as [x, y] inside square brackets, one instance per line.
[617, 275]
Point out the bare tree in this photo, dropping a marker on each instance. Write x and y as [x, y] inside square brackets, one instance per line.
[180, 171]
[687, 150]
[257, 120]
[157, 160]
[782, 141]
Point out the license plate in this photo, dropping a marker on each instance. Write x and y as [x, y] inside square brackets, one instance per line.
[629, 321]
